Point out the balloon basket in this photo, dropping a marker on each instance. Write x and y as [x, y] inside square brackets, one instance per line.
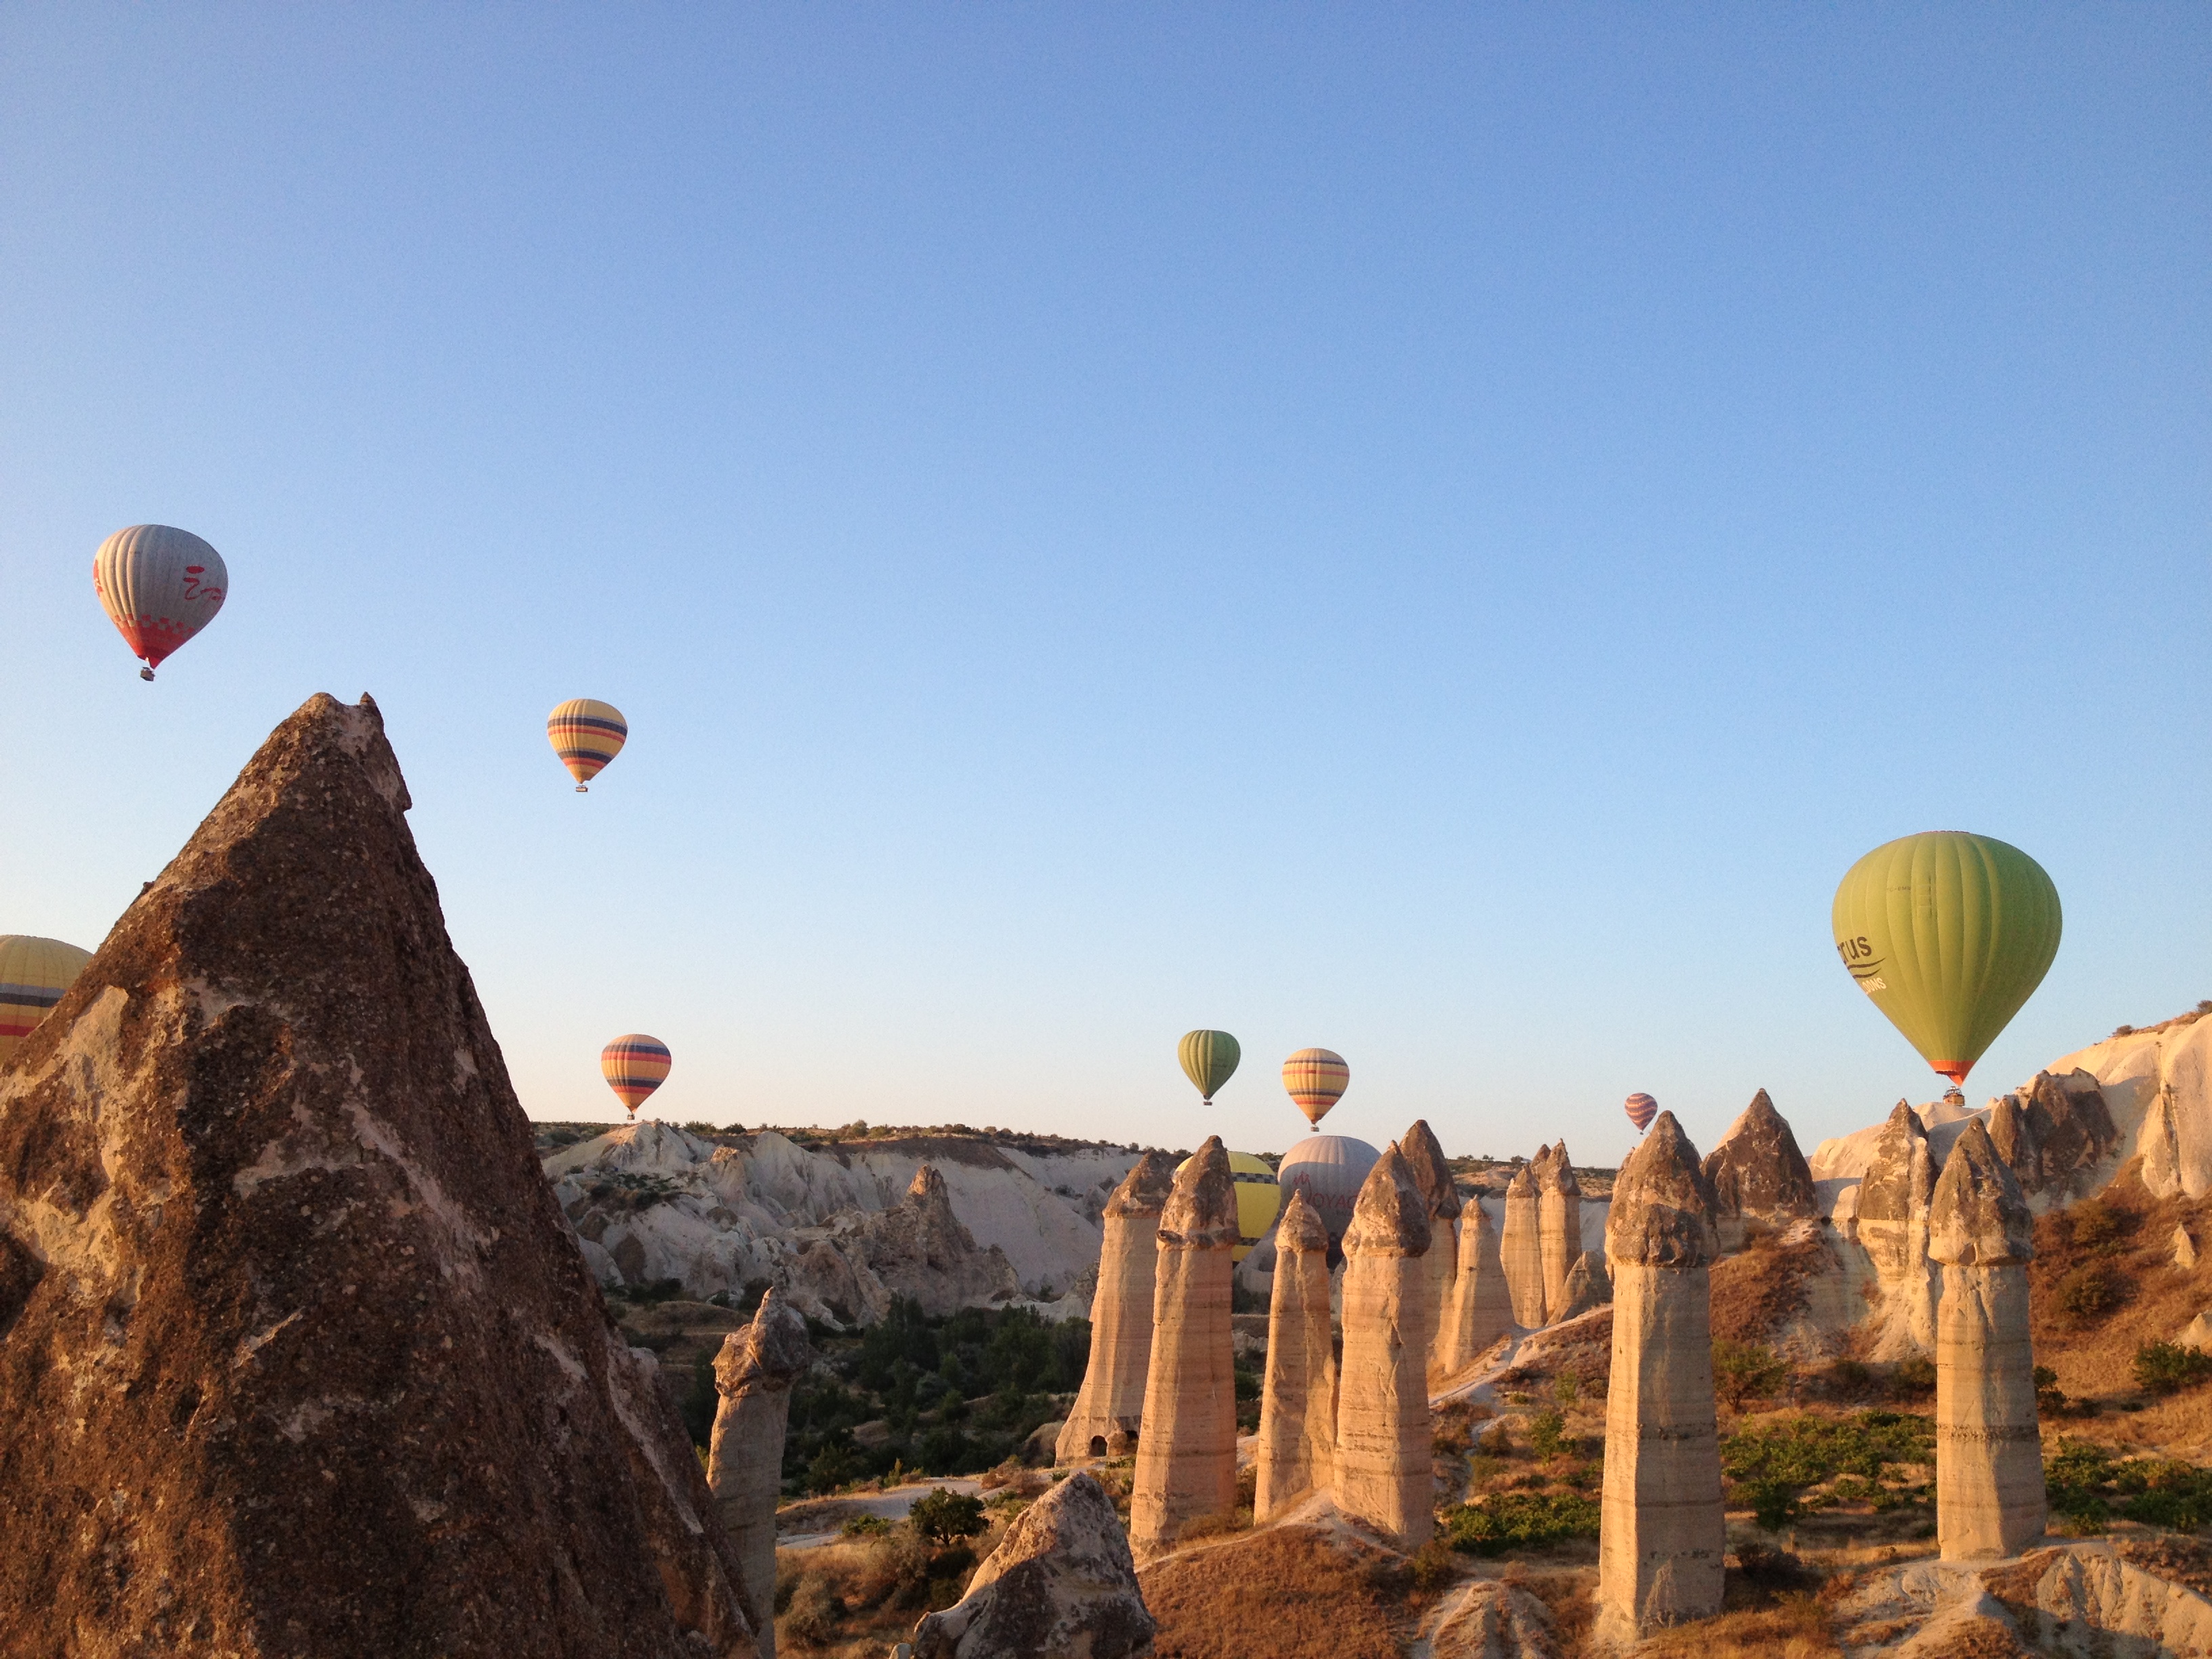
[583, 789]
[145, 673]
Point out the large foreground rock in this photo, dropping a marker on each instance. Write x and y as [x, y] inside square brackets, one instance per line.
[1061, 1583]
[296, 1355]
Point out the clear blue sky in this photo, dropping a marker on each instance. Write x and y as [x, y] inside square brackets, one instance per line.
[1435, 532]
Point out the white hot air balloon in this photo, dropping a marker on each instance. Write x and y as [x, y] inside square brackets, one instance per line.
[160, 586]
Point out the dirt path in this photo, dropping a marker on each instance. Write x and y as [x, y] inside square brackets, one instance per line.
[819, 1521]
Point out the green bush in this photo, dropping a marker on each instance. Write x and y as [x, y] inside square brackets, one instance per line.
[2088, 1485]
[2091, 1290]
[833, 1466]
[1548, 1434]
[1519, 1520]
[942, 1515]
[863, 1526]
[1769, 1467]
[2167, 1367]
[1914, 1375]
[1746, 1371]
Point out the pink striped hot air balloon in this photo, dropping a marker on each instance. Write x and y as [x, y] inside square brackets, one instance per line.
[1641, 1109]
[634, 1065]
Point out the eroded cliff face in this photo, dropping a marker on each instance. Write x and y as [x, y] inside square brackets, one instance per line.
[297, 1353]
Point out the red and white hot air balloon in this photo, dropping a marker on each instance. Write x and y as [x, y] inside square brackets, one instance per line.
[160, 586]
[1641, 1109]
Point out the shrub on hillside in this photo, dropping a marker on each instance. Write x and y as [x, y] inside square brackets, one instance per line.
[2092, 1291]
[1913, 1377]
[1747, 1371]
[2088, 1485]
[2163, 1368]
[1519, 1520]
[942, 1515]
[1548, 1434]
[1769, 1468]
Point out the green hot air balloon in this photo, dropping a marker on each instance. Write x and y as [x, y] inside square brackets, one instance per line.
[1949, 934]
[1209, 1058]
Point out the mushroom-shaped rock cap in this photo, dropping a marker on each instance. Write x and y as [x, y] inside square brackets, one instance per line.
[1662, 1209]
[1201, 1206]
[1979, 1217]
[1899, 1163]
[1392, 1215]
[1425, 1160]
[772, 1351]
[1144, 1190]
[1555, 1171]
[1301, 1231]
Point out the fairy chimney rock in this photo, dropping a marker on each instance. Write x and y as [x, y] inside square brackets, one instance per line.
[1588, 1286]
[1187, 1455]
[1105, 1418]
[1989, 1499]
[1297, 1392]
[1432, 1173]
[753, 1374]
[1757, 1173]
[291, 1326]
[1520, 1248]
[1662, 1532]
[1479, 1310]
[1559, 1225]
[1384, 1469]
[1893, 1199]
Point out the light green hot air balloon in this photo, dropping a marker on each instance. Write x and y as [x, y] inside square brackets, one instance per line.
[1949, 934]
[1209, 1059]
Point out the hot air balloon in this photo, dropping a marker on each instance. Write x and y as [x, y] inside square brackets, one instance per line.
[586, 734]
[1329, 1169]
[33, 973]
[1258, 1199]
[160, 586]
[634, 1066]
[1209, 1059]
[1641, 1109]
[1949, 934]
[1317, 1079]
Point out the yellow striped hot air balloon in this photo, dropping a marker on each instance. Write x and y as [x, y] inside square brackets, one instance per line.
[634, 1065]
[160, 586]
[587, 733]
[1316, 1080]
[33, 973]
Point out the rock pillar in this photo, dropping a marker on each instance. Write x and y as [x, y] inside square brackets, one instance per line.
[1756, 1174]
[1520, 1248]
[1559, 1226]
[1187, 1455]
[1298, 1398]
[1989, 1455]
[1662, 1533]
[1385, 1469]
[754, 1373]
[1424, 1162]
[1104, 1418]
[1893, 1198]
[1479, 1311]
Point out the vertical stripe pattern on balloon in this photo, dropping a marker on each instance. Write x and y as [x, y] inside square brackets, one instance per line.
[160, 586]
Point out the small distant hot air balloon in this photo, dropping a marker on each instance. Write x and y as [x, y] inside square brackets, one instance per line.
[1258, 1199]
[160, 586]
[1949, 934]
[33, 973]
[1317, 1079]
[586, 734]
[1641, 1109]
[1209, 1059]
[634, 1066]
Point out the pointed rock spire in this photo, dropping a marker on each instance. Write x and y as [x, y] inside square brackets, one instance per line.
[1383, 1470]
[754, 1374]
[1106, 1413]
[1662, 1206]
[1558, 1227]
[1297, 1393]
[1757, 1173]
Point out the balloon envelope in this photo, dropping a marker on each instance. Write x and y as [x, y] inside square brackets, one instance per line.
[160, 586]
[587, 733]
[33, 973]
[1209, 1058]
[634, 1066]
[1949, 934]
[1329, 1169]
[1258, 1199]
[1316, 1080]
[1641, 1109]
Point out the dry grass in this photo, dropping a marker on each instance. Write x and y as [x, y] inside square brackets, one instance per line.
[1757, 1290]
[854, 1599]
[1314, 1595]
[1795, 1628]
[1568, 1595]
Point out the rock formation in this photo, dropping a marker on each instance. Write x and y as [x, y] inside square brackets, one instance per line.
[1893, 1196]
[917, 1249]
[1520, 1248]
[1297, 1393]
[1989, 1458]
[1106, 1414]
[1492, 1619]
[1662, 1534]
[2183, 1248]
[753, 1374]
[1187, 1457]
[1480, 1310]
[1426, 1163]
[1061, 1581]
[2053, 1136]
[1756, 1174]
[1558, 1225]
[1384, 1471]
[296, 1352]
[1588, 1286]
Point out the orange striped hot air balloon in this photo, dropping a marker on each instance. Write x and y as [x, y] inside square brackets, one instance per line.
[586, 734]
[33, 973]
[160, 586]
[1317, 1079]
[634, 1066]
[1641, 1109]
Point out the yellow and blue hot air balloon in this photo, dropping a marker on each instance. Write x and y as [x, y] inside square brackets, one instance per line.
[634, 1065]
[33, 973]
[160, 586]
[587, 733]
